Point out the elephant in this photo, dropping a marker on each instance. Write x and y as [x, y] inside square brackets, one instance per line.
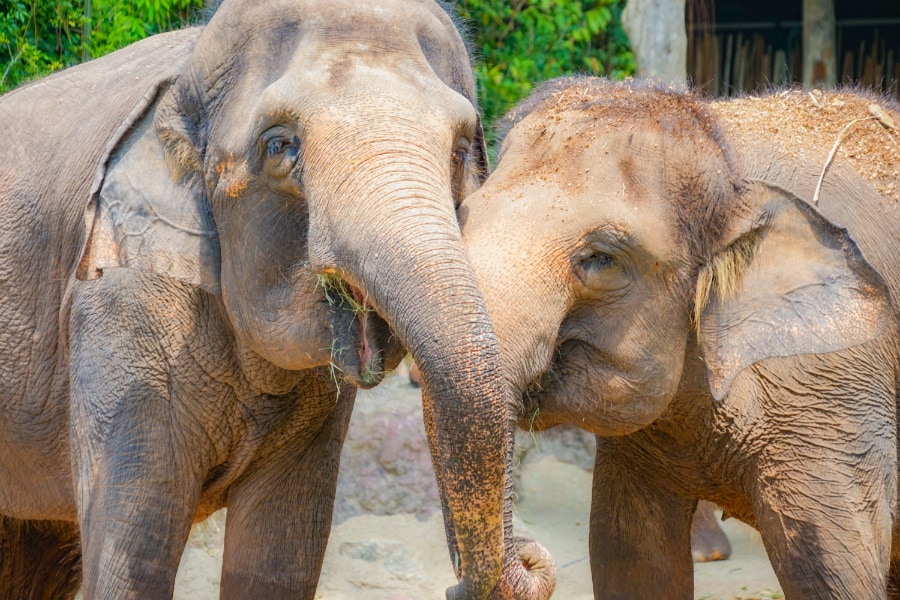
[709, 287]
[209, 238]
[708, 541]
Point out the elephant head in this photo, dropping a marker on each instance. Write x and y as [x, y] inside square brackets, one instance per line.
[616, 228]
[304, 168]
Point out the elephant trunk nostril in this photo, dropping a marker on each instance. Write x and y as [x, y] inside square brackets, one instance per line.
[530, 575]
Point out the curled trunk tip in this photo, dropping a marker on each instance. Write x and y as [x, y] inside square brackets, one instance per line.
[530, 575]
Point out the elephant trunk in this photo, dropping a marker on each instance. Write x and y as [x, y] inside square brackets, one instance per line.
[529, 571]
[531, 575]
[411, 266]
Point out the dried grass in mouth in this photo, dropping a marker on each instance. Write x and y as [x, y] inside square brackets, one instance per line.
[864, 130]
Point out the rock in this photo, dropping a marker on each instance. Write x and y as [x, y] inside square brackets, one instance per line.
[385, 464]
[392, 554]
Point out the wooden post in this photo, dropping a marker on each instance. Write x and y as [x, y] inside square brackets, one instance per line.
[819, 43]
[656, 30]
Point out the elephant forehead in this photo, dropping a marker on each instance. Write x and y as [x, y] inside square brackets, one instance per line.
[559, 211]
[417, 48]
[558, 215]
[573, 147]
[321, 46]
[593, 176]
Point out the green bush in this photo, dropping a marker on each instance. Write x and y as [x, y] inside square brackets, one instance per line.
[38, 37]
[521, 43]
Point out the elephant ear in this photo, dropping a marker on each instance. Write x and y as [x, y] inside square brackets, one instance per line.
[148, 211]
[790, 283]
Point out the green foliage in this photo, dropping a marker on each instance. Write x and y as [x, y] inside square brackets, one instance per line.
[523, 42]
[38, 37]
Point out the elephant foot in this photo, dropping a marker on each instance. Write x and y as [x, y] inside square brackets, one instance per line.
[708, 541]
[531, 576]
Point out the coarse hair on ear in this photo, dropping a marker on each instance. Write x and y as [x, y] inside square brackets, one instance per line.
[722, 275]
[789, 283]
[177, 125]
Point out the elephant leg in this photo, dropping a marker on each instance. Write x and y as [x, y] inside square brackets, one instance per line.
[137, 497]
[824, 553]
[893, 591]
[823, 486]
[822, 558]
[825, 534]
[640, 532]
[894, 576]
[279, 513]
[708, 541]
[39, 560]
[137, 500]
[894, 572]
[139, 455]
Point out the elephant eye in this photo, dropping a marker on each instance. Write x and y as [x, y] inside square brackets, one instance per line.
[278, 146]
[279, 150]
[459, 164]
[593, 265]
[599, 271]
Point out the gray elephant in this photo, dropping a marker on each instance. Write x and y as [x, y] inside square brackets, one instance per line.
[204, 239]
[675, 276]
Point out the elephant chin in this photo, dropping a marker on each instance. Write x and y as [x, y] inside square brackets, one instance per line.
[532, 576]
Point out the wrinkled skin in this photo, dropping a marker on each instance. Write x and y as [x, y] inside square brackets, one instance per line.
[206, 238]
[772, 394]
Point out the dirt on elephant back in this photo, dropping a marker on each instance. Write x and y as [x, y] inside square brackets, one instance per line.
[864, 129]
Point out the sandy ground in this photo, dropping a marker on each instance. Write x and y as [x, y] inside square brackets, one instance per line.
[401, 558]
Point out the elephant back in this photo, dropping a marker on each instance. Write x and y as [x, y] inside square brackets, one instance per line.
[805, 127]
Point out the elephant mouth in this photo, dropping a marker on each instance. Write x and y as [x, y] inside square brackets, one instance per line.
[362, 344]
[547, 383]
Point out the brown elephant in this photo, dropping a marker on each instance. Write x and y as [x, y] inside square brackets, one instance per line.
[204, 239]
[668, 273]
